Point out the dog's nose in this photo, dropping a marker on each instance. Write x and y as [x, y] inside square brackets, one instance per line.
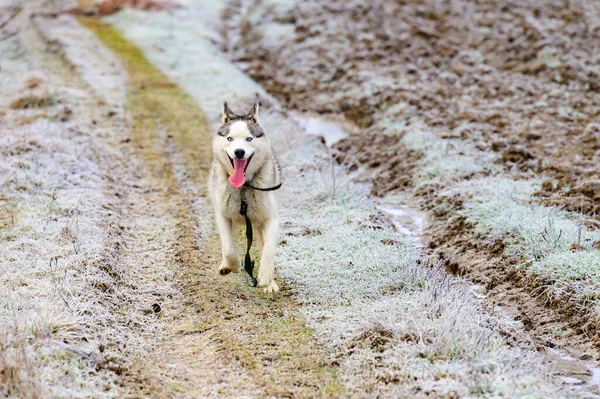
[239, 153]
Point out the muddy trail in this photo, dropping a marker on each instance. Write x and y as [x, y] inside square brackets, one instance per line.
[508, 85]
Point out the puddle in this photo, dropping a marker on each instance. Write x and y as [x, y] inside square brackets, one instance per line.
[331, 131]
[581, 375]
[409, 222]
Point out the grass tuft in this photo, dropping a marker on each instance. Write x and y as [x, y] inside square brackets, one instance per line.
[32, 101]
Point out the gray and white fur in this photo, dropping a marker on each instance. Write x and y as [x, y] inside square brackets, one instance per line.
[243, 139]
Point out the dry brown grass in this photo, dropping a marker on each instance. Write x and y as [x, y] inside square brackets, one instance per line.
[19, 368]
[31, 100]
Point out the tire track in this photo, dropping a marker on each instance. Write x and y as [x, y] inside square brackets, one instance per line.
[127, 289]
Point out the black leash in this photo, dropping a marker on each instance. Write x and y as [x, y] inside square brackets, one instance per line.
[248, 262]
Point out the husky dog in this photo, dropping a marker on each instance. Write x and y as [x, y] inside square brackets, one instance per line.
[243, 154]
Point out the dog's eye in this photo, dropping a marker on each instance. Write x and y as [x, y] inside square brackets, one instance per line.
[249, 139]
[229, 138]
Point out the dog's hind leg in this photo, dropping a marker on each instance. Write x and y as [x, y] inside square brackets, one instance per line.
[231, 261]
[267, 260]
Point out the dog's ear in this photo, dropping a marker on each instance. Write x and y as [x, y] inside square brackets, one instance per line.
[253, 114]
[227, 113]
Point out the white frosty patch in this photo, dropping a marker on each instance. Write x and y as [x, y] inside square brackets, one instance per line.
[179, 43]
[446, 160]
[543, 236]
[99, 67]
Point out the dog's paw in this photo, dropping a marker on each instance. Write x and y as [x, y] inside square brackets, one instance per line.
[271, 288]
[227, 268]
[264, 278]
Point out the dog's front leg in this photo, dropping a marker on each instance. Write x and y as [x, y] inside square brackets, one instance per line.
[267, 260]
[231, 261]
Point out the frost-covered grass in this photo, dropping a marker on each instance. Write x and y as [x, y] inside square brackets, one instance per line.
[50, 206]
[181, 44]
[74, 294]
[542, 236]
[96, 65]
[50, 187]
[446, 160]
[501, 206]
[443, 160]
[398, 327]
[504, 206]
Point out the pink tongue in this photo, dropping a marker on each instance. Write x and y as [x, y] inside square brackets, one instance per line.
[237, 179]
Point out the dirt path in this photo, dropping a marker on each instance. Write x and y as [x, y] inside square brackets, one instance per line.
[226, 338]
[234, 323]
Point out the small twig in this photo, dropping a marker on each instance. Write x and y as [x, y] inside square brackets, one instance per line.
[447, 148]
[26, 175]
[558, 238]
[419, 332]
[331, 163]
[75, 350]
[55, 259]
[12, 16]
[545, 235]
[434, 270]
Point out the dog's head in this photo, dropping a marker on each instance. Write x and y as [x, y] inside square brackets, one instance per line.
[241, 144]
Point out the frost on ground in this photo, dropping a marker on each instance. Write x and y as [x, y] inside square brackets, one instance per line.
[88, 251]
[75, 295]
[396, 326]
[552, 243]
[93, 62]
[182, 47]
[444, 161]
[51, 245]
[555, 248]
[446, 91]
